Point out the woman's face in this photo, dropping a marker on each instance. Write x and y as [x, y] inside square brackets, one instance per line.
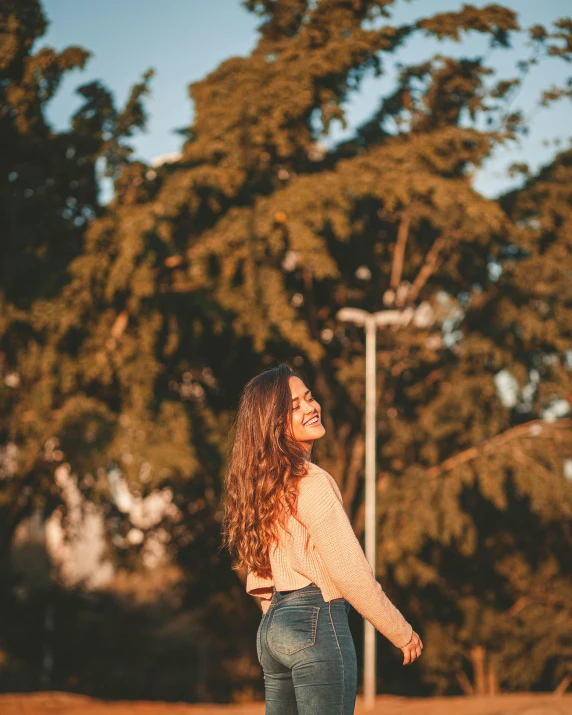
[306, 414]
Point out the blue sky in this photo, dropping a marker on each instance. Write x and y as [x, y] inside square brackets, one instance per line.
[186, 39]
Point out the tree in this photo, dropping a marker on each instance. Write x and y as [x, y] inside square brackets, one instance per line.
[48, 195]
[204, 270]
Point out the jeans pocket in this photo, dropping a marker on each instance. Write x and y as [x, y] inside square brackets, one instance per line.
[293, 628]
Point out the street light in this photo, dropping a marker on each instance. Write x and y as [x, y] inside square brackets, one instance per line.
[371, 321]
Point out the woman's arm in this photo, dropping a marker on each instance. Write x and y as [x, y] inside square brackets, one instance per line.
[323, 515]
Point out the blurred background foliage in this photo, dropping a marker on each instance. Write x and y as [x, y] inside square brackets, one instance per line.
[128, 330]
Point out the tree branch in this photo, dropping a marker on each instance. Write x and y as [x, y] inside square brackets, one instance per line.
[534, 428]
[402, 233]
[431, 264]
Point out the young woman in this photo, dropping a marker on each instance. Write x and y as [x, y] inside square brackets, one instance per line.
[284, 520]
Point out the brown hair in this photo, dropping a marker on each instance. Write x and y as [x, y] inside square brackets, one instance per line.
[265, 465]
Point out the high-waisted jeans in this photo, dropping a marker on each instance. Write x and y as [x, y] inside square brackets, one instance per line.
[307, 653]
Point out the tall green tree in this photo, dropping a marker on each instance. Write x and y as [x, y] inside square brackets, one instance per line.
[202, 271]
[48, 196]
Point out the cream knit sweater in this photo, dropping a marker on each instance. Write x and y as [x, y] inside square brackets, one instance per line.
[323, 549]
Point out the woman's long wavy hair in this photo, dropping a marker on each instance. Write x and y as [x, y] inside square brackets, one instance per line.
[264, 468]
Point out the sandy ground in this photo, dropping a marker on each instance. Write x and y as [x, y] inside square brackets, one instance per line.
[65, 704]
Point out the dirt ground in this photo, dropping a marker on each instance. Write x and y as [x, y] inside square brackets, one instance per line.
[65, 704]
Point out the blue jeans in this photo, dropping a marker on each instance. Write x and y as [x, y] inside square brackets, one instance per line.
[307, 653]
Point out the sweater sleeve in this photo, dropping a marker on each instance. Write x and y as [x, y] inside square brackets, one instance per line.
[260, 586]
[323, 515]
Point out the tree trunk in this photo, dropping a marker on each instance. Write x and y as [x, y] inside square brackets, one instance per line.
[464, 682]
[477, 655]
[562, 686]
[492, 680]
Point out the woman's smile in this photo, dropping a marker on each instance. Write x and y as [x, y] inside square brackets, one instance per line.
[307, 424]
[313, 421]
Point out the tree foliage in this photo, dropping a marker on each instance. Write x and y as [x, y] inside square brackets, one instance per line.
[128, 330]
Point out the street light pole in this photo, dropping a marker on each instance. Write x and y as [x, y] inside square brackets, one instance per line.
[371, 321]
[369, 681]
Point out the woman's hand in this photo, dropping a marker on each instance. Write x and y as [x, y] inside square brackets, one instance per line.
[412, 650]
